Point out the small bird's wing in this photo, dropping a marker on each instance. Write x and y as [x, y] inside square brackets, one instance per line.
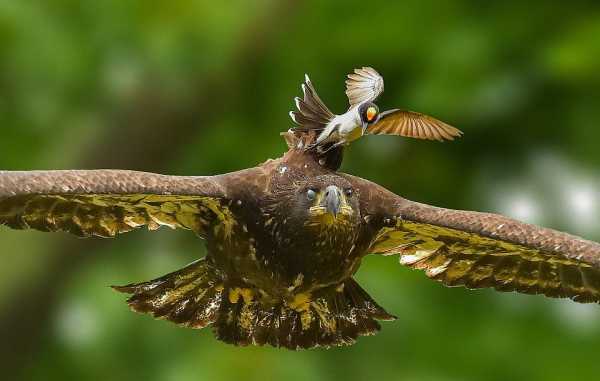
[108, 202]
[413, 125]
[364, 85]
[312, 113]
[478, 250]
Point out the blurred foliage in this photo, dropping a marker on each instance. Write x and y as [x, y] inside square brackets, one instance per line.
[94, 83]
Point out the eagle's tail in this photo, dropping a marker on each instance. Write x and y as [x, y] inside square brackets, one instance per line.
[196, 297]
[312, 114]
[189, 297]
[333, 316]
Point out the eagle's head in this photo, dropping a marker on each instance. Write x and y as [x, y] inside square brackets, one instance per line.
[323, 202]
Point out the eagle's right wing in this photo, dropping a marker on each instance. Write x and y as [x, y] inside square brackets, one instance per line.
[108, 202]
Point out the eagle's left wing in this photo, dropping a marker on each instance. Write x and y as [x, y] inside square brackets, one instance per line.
[108, 202]
[477, 250]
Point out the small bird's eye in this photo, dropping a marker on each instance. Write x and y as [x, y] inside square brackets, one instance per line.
[348, 192]
[371, 113]
[311, 194]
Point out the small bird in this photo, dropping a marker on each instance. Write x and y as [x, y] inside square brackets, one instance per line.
[363, 87]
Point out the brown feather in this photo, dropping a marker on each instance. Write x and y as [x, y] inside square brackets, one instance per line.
[108, 202]
[413, 125]
[479, 250]
[312, 114]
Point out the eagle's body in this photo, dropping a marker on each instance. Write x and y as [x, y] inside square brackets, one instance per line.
[276, 247]
[281, 265]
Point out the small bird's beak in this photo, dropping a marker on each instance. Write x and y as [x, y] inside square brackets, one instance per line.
[364, 128]
[332, 200]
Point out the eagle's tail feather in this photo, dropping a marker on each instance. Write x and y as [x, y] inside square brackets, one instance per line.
[196, 297]
[189, 297]
[333, 316]
[312, 113]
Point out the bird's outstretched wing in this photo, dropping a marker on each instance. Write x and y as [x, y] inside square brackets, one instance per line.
[413, 125]
[364, 85]
[108, 202]
[477, 250]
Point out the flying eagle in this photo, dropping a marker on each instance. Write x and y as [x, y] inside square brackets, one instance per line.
[285, 239]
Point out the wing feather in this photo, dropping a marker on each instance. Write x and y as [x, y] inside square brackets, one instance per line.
[413, 125]
[364, 85]
[108, 202]
[480, 250]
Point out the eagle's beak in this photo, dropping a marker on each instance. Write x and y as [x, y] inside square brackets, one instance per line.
[332, 200]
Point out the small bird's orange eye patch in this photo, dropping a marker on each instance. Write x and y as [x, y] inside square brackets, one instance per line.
[371, 113]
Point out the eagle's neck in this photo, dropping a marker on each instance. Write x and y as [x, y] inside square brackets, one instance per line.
[330, 160]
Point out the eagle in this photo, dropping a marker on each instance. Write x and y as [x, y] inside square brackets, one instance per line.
[285, 238]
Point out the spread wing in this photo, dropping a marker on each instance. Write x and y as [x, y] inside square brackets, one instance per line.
[364, 85]
[413, 125]
[477, 250]
[108, 202]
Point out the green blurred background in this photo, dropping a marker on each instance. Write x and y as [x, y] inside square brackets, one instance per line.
[204, 87]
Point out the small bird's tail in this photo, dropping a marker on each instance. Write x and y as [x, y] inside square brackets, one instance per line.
[312, 113]
[196, 297]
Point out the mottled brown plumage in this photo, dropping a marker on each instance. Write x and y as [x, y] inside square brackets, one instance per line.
[284, 240]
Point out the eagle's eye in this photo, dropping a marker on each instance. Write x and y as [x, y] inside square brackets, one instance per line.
[348, 192]
[311, 194]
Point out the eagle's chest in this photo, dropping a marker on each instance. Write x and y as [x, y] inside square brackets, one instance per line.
[275, 254]
[317, 254]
